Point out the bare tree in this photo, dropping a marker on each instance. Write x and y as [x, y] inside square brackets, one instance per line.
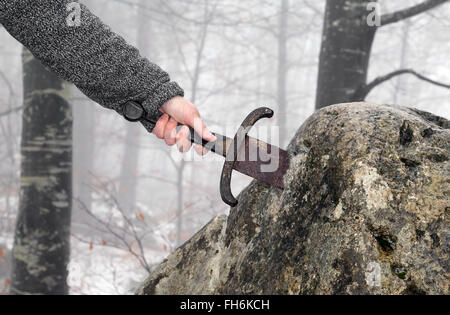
[84, 141]
[194, 73]
[128, 176]
[41, 243]
[346, 49]
[282, 68]
[119, 229]
[403, 59]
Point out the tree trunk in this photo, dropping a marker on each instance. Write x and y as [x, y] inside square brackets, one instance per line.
[128, 174]
[403, 57]
[180, 202]
[282, 69]
[344, 57]
[194, 90]
[84, 148]
[42, 237]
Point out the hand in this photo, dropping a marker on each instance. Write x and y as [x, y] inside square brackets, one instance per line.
[179, 110]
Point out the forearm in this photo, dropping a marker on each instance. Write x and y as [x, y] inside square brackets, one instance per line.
[99, 62]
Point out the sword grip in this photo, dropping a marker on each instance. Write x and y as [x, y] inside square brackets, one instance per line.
[194, 137]
[219, 146]
[134, 111]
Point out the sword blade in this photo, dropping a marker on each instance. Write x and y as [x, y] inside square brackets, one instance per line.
[257, 159]
[263, 161]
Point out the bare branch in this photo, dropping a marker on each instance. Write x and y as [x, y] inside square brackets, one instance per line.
[363, 91]
[410, 12]
[12, 110]
[8, 83]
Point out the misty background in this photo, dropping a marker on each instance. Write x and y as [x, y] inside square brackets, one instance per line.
[134, 199]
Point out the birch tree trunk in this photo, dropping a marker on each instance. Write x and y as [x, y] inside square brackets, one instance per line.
[42, 238]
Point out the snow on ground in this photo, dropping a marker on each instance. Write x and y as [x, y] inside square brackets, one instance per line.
[104, 261]
[7, 221]
[105, 271]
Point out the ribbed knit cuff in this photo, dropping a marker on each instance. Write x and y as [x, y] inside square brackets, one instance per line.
[160, 96]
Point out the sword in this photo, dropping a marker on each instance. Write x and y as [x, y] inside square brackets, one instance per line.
[252, 157]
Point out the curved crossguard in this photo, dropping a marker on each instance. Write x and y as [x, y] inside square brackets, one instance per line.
[235, 147]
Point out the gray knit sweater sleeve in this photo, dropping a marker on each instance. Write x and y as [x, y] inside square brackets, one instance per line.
[99, 62]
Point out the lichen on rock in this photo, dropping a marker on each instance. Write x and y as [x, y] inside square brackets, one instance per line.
[365, 211]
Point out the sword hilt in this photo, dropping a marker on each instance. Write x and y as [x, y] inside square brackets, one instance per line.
[232, 155]
[223, 146]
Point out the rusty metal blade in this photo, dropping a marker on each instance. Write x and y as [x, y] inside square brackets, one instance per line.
[263, 161]
[257, 159]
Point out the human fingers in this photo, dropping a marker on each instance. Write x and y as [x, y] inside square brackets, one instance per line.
[183, 143]
[160, 126]
[186, 113]
[170, 132]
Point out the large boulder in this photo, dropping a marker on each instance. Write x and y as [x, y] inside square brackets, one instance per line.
[365, 211]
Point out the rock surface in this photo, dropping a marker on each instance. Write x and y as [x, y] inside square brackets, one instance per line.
[365, 211]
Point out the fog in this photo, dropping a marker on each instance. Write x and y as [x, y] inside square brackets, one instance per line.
[134, 199]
